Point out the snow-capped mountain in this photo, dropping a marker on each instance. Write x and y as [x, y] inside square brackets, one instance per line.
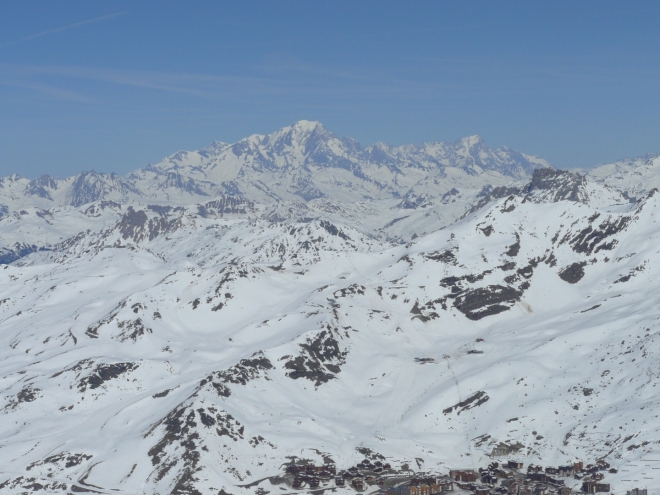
[633, 176]
[299, 172]
[157, 346]
[305, 162]
[301, 162]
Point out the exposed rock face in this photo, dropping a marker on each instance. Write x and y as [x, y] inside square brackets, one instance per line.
[486, 301]
[137, 226]
[226, 205]
[319, 360]
[558, 185]
[39, 187]
[489, 194]
[474, 400]
[103, 373]
[573, 273]
[186, 184]
[591, 240]
[15, 252]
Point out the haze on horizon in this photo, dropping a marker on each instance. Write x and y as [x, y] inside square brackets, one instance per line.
[112, 86]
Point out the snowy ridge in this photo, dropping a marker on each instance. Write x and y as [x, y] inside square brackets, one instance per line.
[300, 172]
[633, 177]
[301, 162]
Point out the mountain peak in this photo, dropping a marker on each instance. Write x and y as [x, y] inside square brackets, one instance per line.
[304, 128]
[310, 162]
[306, 125]
[471, 141]
[296, 134]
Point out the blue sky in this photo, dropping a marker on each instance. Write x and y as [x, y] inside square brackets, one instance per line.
[113, 85]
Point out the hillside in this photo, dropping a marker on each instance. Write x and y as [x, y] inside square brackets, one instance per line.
[155, 347]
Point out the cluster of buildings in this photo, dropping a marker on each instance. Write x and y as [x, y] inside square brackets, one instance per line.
[359, 476]
[537, 480]
[310, 475]
[496, 479]
[511, 479]
[430, 485]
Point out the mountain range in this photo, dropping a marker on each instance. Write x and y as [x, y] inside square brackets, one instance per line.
[301, 162]
[199, 324]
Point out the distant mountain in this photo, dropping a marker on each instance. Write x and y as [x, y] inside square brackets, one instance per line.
[300, 172]
[301, 162]
[632, 176]
[305, 162]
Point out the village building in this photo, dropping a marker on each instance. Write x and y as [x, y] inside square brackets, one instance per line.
[595, 487]
[489, 479]
[513, 487]
[395, 490]
[493, 480]
[419, 490]
[538, 477]
[358, 484]
[566, 470]
[467, 475]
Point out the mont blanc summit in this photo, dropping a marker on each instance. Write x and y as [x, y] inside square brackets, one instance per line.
[301, 162]
[296, 312]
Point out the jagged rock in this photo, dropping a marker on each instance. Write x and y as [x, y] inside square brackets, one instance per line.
[573, 273]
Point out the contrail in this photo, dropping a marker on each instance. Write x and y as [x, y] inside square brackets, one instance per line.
[57, 30]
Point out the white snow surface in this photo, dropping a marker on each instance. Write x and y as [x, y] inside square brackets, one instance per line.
[171, 348]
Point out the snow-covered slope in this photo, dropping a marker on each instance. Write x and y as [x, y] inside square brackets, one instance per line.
[196, 348]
